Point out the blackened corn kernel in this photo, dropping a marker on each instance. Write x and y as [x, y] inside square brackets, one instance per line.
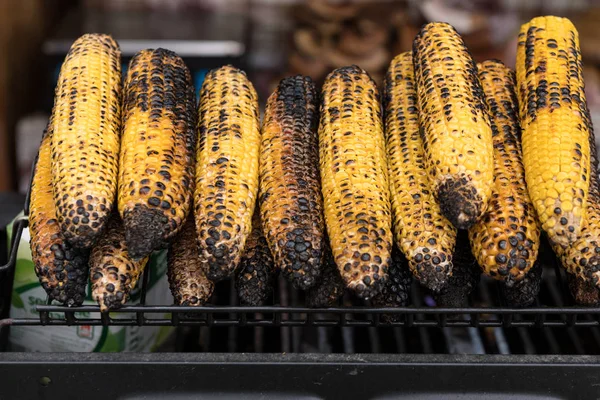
[227, 169]
[113, 272]
[465, 276]
[456, 131]
[290, 198]
[61, 269]
[506, 240]
[156, 174]
[256, 277]
[396, 291]
[354, 179]
[524, 292]
[330, 286]
[85, 142]
[187, 275]
[555, 133]
[418, 220]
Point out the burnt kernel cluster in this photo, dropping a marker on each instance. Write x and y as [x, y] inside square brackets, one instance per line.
[61, 269]
[524, 292]
[465, 276]
[505, 240]
[256, 277]
[423, 234]
[584, 292]
[551, 94]
[396, 291]
[113, 272]
[227, 168]
[86, 121]
[158, 150]
[187, 276]
[354, 179]
[329, 287]
[454, 122]
[290, 198]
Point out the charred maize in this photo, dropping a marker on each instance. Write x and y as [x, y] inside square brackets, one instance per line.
[227, 169]
[456, 131]
[423, 234]
[584, 292]
[396, 291]
[256, 276]
[61, 269]
[555, 133]
[330, 286]
[113, 272]
[85, 142]
[582, 257]
[505, 241]
[354, 179]
[291, 203]
[187, 275]
[465, 275]
[157, 151]
[524, 292]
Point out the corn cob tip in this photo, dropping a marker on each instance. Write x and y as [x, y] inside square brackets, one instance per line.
[72, 292]
[396, 291]
[432, 269]
[460, 202]
[523, 292]
[368, 288]
[584, 292]
[144, 231]
[330, 286]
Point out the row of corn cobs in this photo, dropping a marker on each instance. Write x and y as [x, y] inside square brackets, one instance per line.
[459, 155]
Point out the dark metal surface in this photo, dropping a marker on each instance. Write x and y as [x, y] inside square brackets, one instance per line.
[297, 376]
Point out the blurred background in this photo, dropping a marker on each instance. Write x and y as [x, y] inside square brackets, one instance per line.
[270, 39]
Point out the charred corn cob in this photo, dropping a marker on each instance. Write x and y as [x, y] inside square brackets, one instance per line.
[584, 292]
[555, 134]
[354, 179]
[227, 169]
[85, 142]
[456, 131]
[256, 276]
[423, 234]
[582, 257]
[465, 275]
[396, 291]
[505, 241]
[330, 286]
[156, 168]
[62, 270]
[291, 203]
[188, 281]
[113, 272]
[524, 292]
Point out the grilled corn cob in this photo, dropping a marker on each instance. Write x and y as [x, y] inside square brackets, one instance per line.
[354, 179]
[113, 272]
[505, 241]
[227, 169]
[524, 292]
[582, 257]
[584, 292]
[256, 276]
[423, 234]
[555, 134]
[330, 286]
[456, 131]
[291, 203]
[186, 273]
[465, 275]
[157, 150]
[62, 270]
[396, 291]
[85, 142]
